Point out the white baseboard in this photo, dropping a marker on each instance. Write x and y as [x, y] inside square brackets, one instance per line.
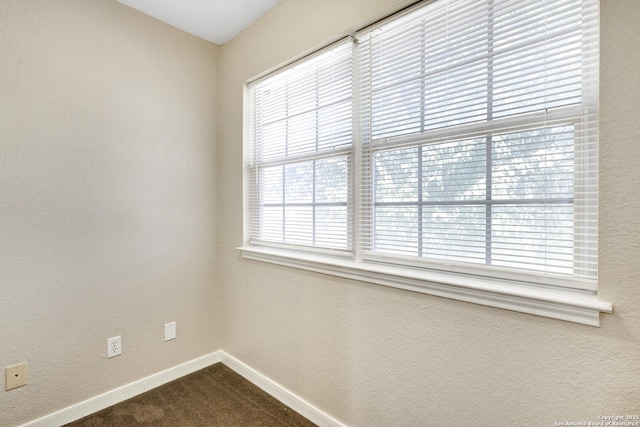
[120, 394]
[293, 401]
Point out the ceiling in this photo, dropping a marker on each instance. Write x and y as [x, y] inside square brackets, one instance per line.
[214, 20]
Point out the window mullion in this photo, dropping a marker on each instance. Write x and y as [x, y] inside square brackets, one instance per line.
[317, 144]
[284, 201]
[489, 145]
[488, 196]
[423, 67]
[363, 189]
[314, 207]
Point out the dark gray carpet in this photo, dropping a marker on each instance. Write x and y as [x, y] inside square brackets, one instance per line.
[215, 396]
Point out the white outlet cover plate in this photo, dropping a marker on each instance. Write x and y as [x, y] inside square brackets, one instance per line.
[170, 331]
[114, 346]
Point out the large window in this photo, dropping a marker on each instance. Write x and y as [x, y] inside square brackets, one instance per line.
[457, 136]
[479, 138]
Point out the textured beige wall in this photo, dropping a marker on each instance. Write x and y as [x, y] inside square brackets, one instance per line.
[375, 356]
[108, 183]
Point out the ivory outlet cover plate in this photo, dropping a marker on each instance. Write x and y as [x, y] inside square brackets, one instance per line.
[16, 376]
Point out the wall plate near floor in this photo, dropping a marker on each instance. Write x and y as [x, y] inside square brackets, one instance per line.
[16, 376]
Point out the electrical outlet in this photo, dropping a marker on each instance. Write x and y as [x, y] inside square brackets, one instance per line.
[16, 376]
[114, 346]
[170, 331]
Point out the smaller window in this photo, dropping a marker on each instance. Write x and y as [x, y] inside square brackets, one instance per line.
[301, 158]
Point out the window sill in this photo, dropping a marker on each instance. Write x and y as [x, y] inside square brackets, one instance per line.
[570, 305]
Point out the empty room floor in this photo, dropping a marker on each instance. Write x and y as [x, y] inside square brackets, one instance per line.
[214, 396]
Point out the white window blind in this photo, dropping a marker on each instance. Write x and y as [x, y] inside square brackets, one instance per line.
[478, 124]
[457, 136]
[301, 126]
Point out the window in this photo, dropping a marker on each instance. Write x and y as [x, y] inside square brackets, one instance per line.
[302, 137]
[456, 140]
[479, 139]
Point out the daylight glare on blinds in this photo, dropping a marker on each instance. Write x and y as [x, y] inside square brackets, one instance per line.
[458, 135]
[301, 128]
[478, 125]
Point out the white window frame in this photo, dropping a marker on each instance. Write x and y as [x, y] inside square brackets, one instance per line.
[570, 300]
[258, 161]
